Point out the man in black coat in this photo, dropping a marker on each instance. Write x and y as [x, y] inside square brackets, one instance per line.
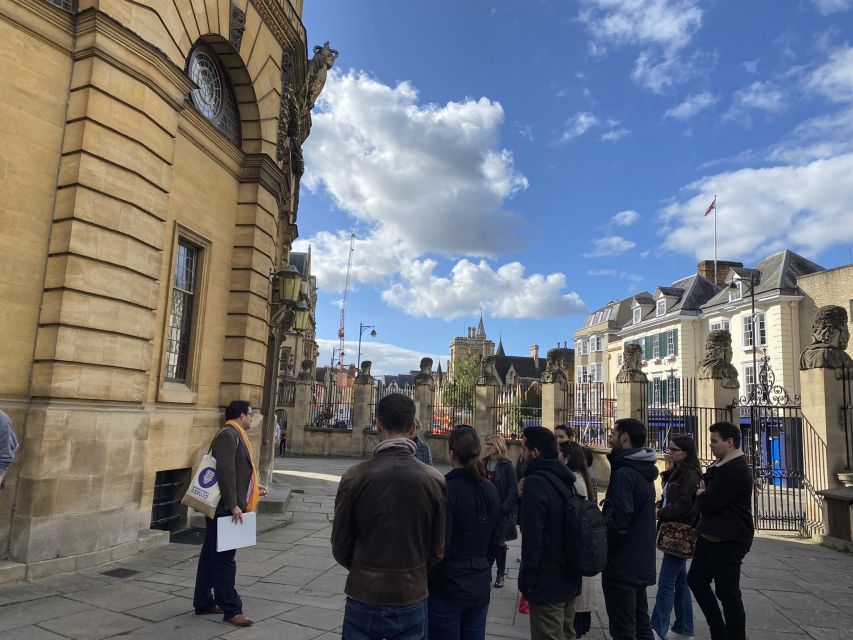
[549, 588]
[629, 511]
[725, 533]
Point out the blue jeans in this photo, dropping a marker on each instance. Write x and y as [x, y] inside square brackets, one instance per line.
[673, 592]
[372, 622]
[447, 622]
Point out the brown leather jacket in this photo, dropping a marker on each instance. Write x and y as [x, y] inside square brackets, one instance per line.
[233, 470]
[389, 527]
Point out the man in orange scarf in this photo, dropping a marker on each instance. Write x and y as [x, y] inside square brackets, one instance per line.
[238, 481]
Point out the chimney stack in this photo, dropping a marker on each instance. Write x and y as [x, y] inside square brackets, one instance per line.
[534, 353]
[706, 270]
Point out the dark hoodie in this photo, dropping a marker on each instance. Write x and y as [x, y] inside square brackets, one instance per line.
[629, 510]
[542, 578]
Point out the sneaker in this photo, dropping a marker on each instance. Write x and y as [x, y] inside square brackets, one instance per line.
[657, 635]
[678, 636]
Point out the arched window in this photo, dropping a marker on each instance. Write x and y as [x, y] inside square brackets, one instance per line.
[214, 97]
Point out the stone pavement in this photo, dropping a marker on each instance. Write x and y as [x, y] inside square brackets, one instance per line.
[293, 589]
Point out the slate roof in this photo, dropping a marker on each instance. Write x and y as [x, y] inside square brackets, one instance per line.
[401, 380]
[525, 366]
[500, 352]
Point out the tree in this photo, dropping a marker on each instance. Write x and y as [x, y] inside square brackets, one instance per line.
[459, 392]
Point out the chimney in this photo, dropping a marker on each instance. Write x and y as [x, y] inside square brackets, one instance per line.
[706, 270]
[534, 353]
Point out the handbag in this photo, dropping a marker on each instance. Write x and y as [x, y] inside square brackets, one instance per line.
[677, 539]
[203, 493]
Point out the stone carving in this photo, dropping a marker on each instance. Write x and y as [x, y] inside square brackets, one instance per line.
[288, 141]
[553, 366]
[830, 336]
[237, 26]
[425, 375]
[364, 376]
[488, 372]
[318, 67]
[305, 374]
[717, 363]
[632, 365]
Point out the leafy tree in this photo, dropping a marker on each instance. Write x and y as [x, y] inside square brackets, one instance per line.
[459, 390]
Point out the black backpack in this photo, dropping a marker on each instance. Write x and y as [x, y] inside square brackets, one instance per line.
[585, 533]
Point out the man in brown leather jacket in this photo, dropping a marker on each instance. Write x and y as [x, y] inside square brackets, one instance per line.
[389, 531]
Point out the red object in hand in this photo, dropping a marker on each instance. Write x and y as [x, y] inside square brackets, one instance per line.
[523, 606]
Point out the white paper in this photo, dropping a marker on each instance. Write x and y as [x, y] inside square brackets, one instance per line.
[236, 536]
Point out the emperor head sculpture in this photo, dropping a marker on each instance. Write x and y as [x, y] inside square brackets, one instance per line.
[488, 372]
[553, 366]
[305, 374]
[364, 373]
[425, 373]
[830, 336]
[632, 364]
[717, 363]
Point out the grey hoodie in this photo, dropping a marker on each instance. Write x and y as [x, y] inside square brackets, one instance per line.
[8, 443]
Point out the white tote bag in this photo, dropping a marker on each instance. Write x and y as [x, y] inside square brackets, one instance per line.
[203, 494]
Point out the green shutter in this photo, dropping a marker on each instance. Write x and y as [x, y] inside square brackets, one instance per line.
[664, 396]
[662, 344]
[677, 382]
[647, 348]
[650, 392]
[675, 341]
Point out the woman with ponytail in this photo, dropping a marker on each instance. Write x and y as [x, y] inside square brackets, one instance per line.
[460, 587]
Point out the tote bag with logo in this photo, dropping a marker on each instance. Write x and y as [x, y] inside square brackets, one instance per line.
[203, 494]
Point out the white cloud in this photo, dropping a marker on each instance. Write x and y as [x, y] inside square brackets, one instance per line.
[692, 105]
[832, 6]
[387, 359]
[420, 177]
[750, 66]
[615, 135]
[661, 28]
[610, 246]
[504, 293]
[805, 207]
[625, 218]
[834, 79]
[760, 95]
[578, 125]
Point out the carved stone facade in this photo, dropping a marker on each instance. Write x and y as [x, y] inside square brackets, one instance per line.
[717, 363]
[122, 192]
[830, 337]
[632, 364]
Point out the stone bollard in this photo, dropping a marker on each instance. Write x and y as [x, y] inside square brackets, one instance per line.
[554, 403]
[300, 418]
[717, 387]
[631, 383]
[424, 396]
[484, 409]
[362, 415]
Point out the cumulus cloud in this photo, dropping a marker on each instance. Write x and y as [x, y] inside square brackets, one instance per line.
[832, 6]
[506, 292]
[387, 359]
[418, 179]
[578, 125]
[610, 246]
[834, 79]
[660, 28]
[760, 95]
[692, 105]
[615, 135]
[625, 218]
[805, 207]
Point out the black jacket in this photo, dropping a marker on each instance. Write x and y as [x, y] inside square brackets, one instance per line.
[629, 511]
[542, 578]
[680, 485]
[507, 487]
[725, 507]
[463, 578]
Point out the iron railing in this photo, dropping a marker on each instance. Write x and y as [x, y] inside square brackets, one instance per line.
[332, 405]
[512, 411]
[453, 404]
[590, 409]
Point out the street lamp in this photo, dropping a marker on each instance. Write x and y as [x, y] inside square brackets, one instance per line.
[361, 329]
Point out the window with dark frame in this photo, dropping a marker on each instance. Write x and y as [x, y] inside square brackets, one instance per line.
[180, 321]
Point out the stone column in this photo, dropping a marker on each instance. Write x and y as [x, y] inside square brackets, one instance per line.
[484, 408]
[361, 412]
[717, 387]
[553, 403]
[631, 384]
[424, 398]
[824, 443]
[300, 417]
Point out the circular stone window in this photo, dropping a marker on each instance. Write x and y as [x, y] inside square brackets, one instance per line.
[213, 98]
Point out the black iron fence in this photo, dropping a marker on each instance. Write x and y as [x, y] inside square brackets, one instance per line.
[380, 391]
[453, 404]
[286, 393]
[590, 408]
[847, 408]
[513, 409]
[332, 405]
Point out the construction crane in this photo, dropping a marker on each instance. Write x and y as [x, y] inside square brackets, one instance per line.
[344, 303]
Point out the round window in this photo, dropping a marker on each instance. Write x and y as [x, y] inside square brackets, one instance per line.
[205, 73]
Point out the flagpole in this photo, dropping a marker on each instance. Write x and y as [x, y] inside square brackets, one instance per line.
[716, 282]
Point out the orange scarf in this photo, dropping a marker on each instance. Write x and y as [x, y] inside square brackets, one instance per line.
[254, 490]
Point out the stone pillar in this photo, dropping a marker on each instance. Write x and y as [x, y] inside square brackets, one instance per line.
[424, 398]
[484, 409]
[553, 403]
[362, 416]
[824, 443]
[713, 394]
[300, 417]
[631, 399]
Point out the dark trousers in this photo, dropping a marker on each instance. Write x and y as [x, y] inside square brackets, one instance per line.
[446, 622]
[500, 559]
[281, 445]
[627, 610]
[719, 562]
[363, 621]
[215, 576]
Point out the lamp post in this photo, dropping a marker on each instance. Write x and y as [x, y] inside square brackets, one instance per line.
[361, 329]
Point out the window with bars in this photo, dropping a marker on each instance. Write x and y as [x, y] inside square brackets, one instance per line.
[749, 333]
[661, 310]
[655, 348]
[736, 294]
[637, 315]
[68, 5]
[748, 379]
[719, 324]
[670, 343]
[181, 318]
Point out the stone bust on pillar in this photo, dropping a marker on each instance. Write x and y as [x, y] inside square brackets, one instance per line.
[488, 372]
[305, 374]
[425, 374]
[717, 363]
[632, 364]
[553, 366]
[829, 341]
[364, 376]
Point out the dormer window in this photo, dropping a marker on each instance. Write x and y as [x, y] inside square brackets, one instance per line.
[637, 315]
[736, 293]
[661, 309]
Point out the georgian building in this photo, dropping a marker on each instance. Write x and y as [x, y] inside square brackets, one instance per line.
[594, 360]
[150, 171]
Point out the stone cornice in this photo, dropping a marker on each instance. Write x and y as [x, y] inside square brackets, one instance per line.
[260, 168]
[201, 132]
[282, 21]
[97, 33]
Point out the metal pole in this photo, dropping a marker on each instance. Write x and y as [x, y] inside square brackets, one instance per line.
[358, 357]
[753, 427]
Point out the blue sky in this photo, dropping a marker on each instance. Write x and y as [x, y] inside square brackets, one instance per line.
[540, 158]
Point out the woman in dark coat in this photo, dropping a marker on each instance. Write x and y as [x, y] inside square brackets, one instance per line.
[499, 470]
[459, 587]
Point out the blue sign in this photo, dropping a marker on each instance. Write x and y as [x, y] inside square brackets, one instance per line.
[207, 477]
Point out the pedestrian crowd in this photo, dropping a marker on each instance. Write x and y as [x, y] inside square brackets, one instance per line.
[419, 547]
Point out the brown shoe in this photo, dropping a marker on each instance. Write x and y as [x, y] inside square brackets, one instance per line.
[240, 621]
[214, 610]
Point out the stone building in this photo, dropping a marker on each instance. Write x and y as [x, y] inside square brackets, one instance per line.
[821, 288]
[474, 343]
[593, 340]
[149, 179]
